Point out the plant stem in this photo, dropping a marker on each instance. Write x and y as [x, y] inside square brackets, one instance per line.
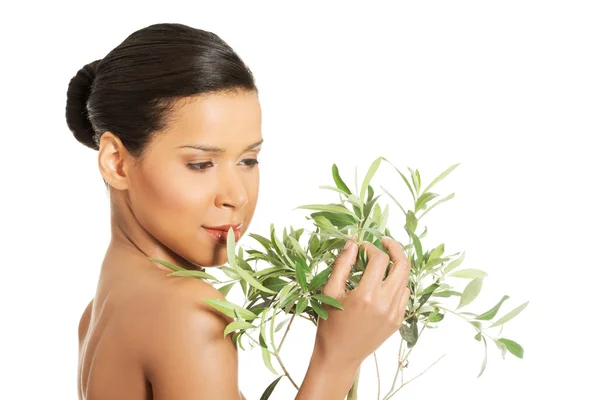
[378, 377]
[412, 379]
[400, 361]
[286, 332]
[455, 313]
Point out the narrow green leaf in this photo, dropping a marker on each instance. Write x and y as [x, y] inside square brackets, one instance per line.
[248, 278]
[368, 177]
[282, 324]
[328, 300]
[301, 305]
[370, 193]
[269, 390]
[231, 249]
[226, 288]
[297, 247]
[449, 197]
[266, 243]
[266, 356]
[470, 293]
[502, 348]
[454, 264]
[338, 180]
[193, 274]
[326, 207]
[491, 313]
[447, 293]
[301, 277]
[510, 315]
[483, 365]
[340, 191]
[228, 308]
[441, 176]
[512, 346]
[230, 272]
[167, 264]
[405, 180]
[394, 199]
[321, 312]
[411, 222]
[469, 273]
[423, 199]
[416, 180]
[319, 279]
[236, 325]
[418, 248]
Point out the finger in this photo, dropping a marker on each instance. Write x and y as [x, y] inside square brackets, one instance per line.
[340, 270]
[400, 264]
[376, 265]
[404, 303]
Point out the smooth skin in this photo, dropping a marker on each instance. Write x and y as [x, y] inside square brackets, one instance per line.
[147, 335]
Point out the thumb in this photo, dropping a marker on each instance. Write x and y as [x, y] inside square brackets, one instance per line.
[340, 270]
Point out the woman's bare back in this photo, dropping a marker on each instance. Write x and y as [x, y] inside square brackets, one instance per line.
[135, 313]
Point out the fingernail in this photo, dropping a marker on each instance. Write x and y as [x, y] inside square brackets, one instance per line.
[348, 243]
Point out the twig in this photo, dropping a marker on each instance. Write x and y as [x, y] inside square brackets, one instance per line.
[286, 332]
[378, 378]
[412, 379]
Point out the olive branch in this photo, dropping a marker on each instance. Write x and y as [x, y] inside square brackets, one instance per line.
[291, 283]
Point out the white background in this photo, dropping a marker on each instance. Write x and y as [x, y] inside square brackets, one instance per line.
[508, 89]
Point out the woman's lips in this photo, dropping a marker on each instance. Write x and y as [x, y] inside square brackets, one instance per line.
[221, 236]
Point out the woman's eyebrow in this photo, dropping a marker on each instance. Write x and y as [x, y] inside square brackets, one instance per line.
[210, 149]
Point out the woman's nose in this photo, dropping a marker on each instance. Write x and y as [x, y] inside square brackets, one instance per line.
[232, 191]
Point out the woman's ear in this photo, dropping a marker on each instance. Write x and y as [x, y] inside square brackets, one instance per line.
[113, 161]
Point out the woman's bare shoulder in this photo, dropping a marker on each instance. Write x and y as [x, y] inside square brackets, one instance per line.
[184, 330]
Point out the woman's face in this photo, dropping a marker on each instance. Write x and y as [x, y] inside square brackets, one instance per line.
[179, 189]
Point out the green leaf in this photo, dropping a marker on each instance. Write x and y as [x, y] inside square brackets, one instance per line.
[395, 201]
[301, 277]
[266, 356]
[447, 293]
[416, 179]
[338, 180]
[301, 305]
[441, 176]
[321, 312]
[483, 365]
[368, 177]
[335, 208]
[228, 308]
[282, 323]
[470, 293]
[297, 247]
[269, 390]
[370, 193]
[411, 222]
[167, 264]
[449, 197]
[340, 191]
[510, 315]
[423, 199]
[469, 273]
[502, 348]
[230, 272]
[236, 325]
[226, 288]
[369, 206]
[328, 300]
[454, 264]
[405, 180]
[418, 248]
[514, 347]
[491, 313]
[319, 279]
[410, 332]
[193, 274]
[262, 240]
[243, 273]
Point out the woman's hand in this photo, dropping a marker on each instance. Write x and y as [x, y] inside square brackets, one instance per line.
[373, 311]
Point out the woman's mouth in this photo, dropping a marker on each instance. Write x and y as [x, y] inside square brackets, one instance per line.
[221, 236]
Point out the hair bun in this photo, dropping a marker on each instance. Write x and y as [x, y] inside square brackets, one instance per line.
[78, 94]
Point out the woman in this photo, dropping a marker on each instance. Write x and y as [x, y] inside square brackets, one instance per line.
[175, 117]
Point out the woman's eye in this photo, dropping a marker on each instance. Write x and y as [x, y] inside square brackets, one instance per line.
[203, 166]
